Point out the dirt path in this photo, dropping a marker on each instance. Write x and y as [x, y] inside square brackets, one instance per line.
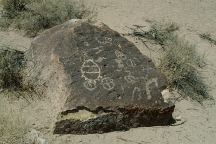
[193, 17]
[15, 40]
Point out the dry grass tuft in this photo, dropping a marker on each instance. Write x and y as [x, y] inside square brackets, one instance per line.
[34, 16]
[12, 125]
[181, 65]
[180, 62]
[208, 37]
[158, 32]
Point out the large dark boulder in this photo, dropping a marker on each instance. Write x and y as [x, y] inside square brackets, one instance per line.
[100, 81]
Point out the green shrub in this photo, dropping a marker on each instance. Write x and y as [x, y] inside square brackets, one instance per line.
[11, 62]
[179, 62]
[37, 15]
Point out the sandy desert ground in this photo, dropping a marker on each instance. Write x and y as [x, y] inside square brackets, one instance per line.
[193, 17]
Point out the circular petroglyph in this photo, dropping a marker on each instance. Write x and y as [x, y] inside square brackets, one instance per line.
[90, 70]
[108, 83]
[91, 73]
[90, 85]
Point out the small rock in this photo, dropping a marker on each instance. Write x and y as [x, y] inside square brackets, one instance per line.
[166, 94]
[178, 118]
[33, 137]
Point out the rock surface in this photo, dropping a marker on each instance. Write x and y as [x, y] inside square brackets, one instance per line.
[84, 66]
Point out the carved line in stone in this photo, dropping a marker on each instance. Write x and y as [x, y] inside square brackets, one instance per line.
[108, 83]
[120, 63]
[90, 85]
[148, 83]
[100, 59]
[90, 67]
[106, 40]
[98, 48]
[131, 63]
[137, 93]
[130, 79]
[120, 55]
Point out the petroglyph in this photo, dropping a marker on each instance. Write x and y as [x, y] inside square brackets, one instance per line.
[100, 59]
[130, 79]
[120, 55]
[86, 44]
[90, 85]
[90, 70]
[106, 40]
[131, 63]
[98, 48]
[108, 83]
[91, 73]
[148, 83]
[120, 63]
[99, 77]
[137, 94]
[98, 51]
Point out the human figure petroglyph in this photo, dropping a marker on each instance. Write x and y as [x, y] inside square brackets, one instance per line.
[148, 83]
[137, 93]
[108, 83]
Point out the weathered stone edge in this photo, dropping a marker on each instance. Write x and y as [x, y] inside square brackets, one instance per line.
[122, 120]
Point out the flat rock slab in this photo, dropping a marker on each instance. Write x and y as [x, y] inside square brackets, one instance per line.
[106, 76]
